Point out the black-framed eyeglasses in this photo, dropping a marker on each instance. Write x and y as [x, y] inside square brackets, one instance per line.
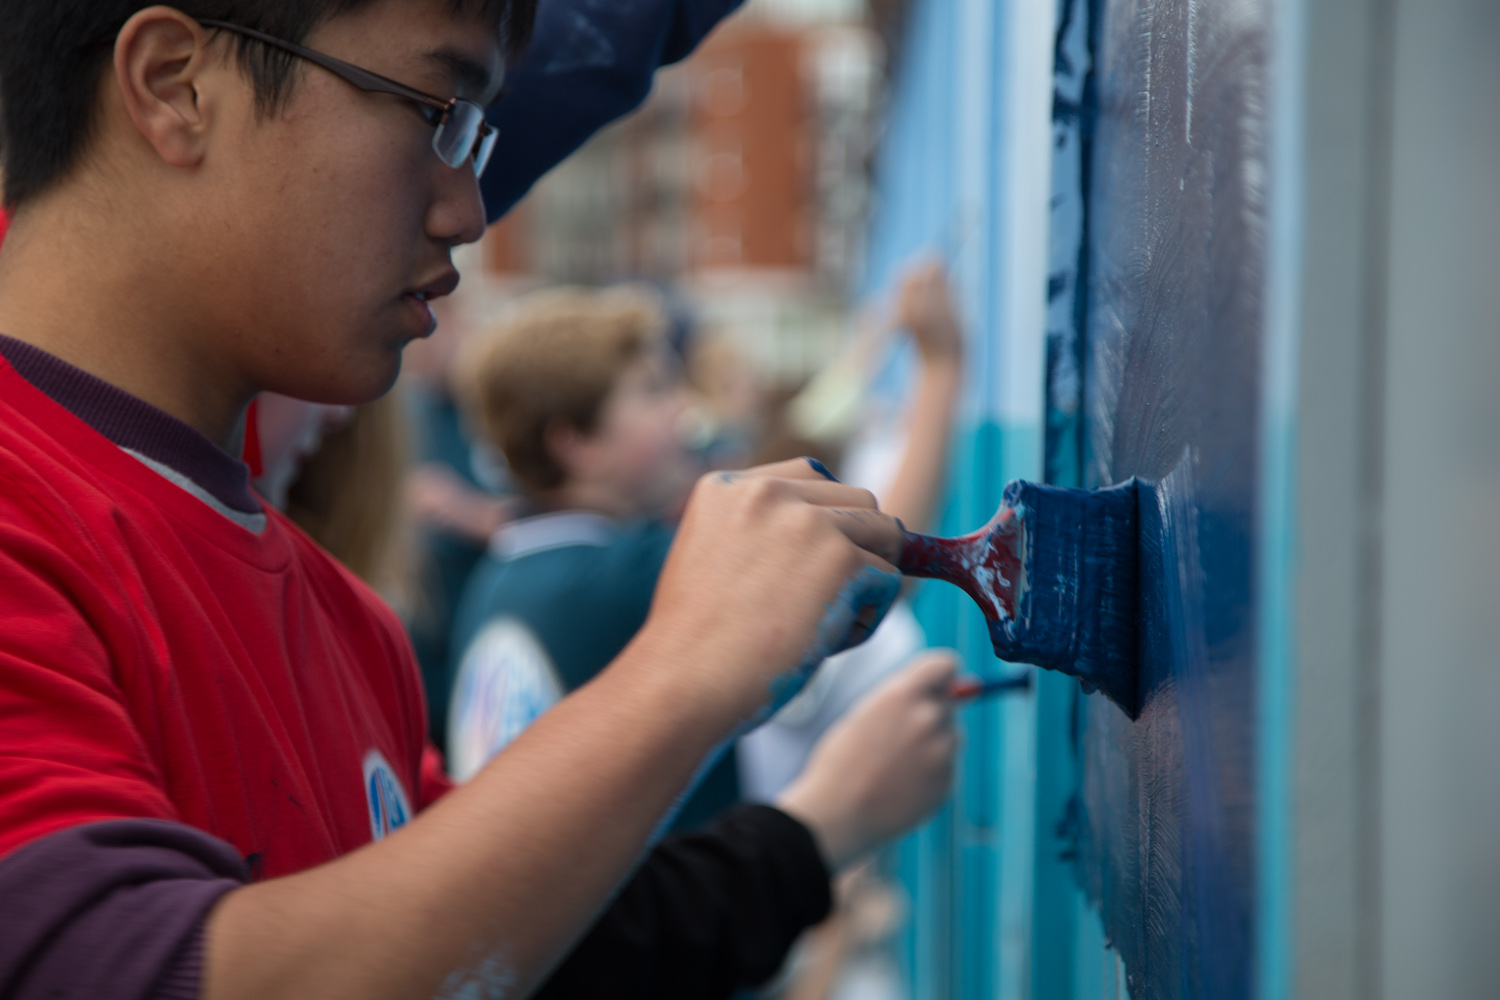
[461, 131]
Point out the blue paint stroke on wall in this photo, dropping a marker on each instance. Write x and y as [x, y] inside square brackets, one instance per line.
[1067, 269]
[1060, 962]
[1170, 391]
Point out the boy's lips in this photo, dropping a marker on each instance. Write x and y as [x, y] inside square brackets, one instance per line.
[419, 299]
[442, 285]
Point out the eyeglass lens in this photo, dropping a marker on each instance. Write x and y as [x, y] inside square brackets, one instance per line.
[457, 138]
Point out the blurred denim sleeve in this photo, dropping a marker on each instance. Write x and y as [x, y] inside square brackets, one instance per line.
[589, 62]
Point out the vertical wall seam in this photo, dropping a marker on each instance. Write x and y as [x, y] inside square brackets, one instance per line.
[1275, 927]
[1381, 86]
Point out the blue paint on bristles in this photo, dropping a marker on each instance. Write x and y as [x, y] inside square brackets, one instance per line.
[1055, 574]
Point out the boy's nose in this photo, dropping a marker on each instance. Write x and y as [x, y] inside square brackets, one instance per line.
[457, 215]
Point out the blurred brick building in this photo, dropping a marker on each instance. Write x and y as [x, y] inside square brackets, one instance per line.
[742, 183]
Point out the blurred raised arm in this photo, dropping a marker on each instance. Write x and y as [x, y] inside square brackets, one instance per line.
[926, 310]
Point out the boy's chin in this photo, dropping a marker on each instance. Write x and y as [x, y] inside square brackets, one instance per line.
[371, 388]
[668, 505]
[352, 385]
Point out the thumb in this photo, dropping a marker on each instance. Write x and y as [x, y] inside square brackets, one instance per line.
[932, 670]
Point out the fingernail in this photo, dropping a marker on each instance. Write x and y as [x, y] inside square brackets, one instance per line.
[820, 469]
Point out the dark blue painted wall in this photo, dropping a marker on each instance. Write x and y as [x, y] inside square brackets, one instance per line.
[1171, 317]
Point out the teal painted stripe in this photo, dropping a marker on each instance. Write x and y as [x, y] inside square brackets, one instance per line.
[969, 873]
[1055, 893]
[1276, 728]
[1099, 973]
[923, 870]
[977, 880]
[1277, 580]
[1019, 447]
[988, 885]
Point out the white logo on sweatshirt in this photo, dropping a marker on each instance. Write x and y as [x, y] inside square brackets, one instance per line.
[390, 809]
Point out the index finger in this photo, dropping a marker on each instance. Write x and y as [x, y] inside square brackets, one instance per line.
[934, 669]
[792, 468]
[879, 534]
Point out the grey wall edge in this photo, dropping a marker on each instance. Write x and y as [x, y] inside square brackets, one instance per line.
[1439, 613]
[1334, 892]
[1396, 884]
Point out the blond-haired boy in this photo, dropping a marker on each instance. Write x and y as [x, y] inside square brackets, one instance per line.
[581, 392]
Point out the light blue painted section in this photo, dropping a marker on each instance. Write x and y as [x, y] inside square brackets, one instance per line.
[955, 176]
[916, 188]
[917, 211]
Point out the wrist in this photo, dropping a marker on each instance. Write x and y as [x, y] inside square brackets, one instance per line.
[836, 836]
[693, 676]
[947, 365]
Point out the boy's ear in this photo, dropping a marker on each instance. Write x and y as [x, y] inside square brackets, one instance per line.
[567, 446]
[160, 56]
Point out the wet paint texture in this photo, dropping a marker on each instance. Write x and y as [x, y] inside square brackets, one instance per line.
[1170, 390]
[1055, 574]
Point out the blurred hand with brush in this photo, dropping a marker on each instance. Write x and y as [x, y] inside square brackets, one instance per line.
[883, 767]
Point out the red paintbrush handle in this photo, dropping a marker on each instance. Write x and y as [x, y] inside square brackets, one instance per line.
[966, 688]
[985, 564]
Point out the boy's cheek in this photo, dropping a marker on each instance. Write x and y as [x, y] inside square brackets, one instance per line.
[650, 438]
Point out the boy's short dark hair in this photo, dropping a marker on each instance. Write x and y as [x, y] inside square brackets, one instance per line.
[52, 53]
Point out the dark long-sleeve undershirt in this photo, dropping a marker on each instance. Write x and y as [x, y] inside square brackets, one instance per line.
[112, 910]
[708, 914]
[116, 911]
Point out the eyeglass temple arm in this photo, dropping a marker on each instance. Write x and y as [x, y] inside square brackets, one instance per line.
[361, 78]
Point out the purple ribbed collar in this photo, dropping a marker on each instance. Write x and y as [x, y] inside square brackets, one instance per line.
[136, 425]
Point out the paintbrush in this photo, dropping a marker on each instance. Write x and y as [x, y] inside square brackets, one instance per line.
[1055, 574]
[970, 688]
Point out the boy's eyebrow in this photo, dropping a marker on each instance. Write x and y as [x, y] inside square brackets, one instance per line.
[474, 79]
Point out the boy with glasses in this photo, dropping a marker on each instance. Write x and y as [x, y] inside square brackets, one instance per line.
[212, 746]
